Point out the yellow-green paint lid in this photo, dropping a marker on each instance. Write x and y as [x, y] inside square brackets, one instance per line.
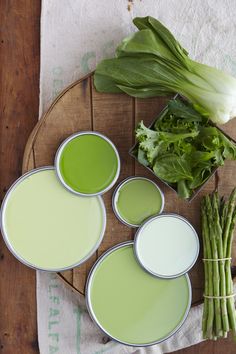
[87, 163]
[136, 199]
[47, 227]
[132, 306]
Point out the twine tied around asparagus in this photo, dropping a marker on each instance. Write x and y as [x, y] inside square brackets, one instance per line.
[216, 259]
[219, 297]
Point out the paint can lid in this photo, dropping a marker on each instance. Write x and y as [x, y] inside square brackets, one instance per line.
[87, 163]
[166, 246]
[119, 291]
[136, 199]
[48, 228]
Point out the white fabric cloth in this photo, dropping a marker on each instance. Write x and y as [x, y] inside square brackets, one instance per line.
[75, 35]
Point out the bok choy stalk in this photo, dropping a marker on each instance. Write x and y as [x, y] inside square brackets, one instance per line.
[151, 62]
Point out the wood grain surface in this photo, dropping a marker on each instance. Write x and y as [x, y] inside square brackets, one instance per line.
[84, 108]
[19, 82]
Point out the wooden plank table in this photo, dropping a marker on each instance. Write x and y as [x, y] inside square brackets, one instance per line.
[19, 80]
[19, 106]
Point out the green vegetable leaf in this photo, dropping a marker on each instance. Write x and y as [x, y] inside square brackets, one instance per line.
[181, 110]
[218, 158]
[157, 151]
[142, 157]
[142, 133]
[183, 189]
[163, 35]
[180, 118]
[200, 174]
[134, 73]
[198, 157]
[144, 92]
[172, 168]
[105, 83]
[172, 137]
[229, 148]
[143, 42]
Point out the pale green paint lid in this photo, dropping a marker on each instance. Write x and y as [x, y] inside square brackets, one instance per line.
[132, 306]
[167, 245]
[87, 163]
[136, 199]
[47, 227]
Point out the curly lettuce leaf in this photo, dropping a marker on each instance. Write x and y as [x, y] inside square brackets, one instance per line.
[229, 148]
[142, 157]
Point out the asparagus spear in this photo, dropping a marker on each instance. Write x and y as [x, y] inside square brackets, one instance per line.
[224, 214]
[210, 302]
[218, 233]
[228, 219]
[216, 275]
[206, 269]
[229, 282]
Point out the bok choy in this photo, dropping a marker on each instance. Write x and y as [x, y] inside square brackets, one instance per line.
[151, 62]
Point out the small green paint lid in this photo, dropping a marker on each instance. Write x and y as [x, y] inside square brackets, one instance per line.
[129, 304]
[87, 163]
[136, 199]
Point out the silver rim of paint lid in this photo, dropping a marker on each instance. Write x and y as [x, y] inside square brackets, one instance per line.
[58, 156]
[93, 316]
[8, 243]
[139, 231]
[116, 193]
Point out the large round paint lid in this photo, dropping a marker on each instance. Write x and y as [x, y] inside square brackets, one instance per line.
[129, 304]
[87, 163]
[47, 227]
[167, 245]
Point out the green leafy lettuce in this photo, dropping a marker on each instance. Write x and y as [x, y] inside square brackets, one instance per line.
[183, 147]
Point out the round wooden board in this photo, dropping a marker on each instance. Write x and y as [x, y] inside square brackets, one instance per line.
[80, 108]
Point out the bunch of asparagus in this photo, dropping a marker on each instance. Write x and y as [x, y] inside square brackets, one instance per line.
[218, 221]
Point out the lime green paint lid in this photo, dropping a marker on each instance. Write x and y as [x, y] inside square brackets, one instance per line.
[87, 163]
[136, 199]
[130, 305]
[47, 227]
